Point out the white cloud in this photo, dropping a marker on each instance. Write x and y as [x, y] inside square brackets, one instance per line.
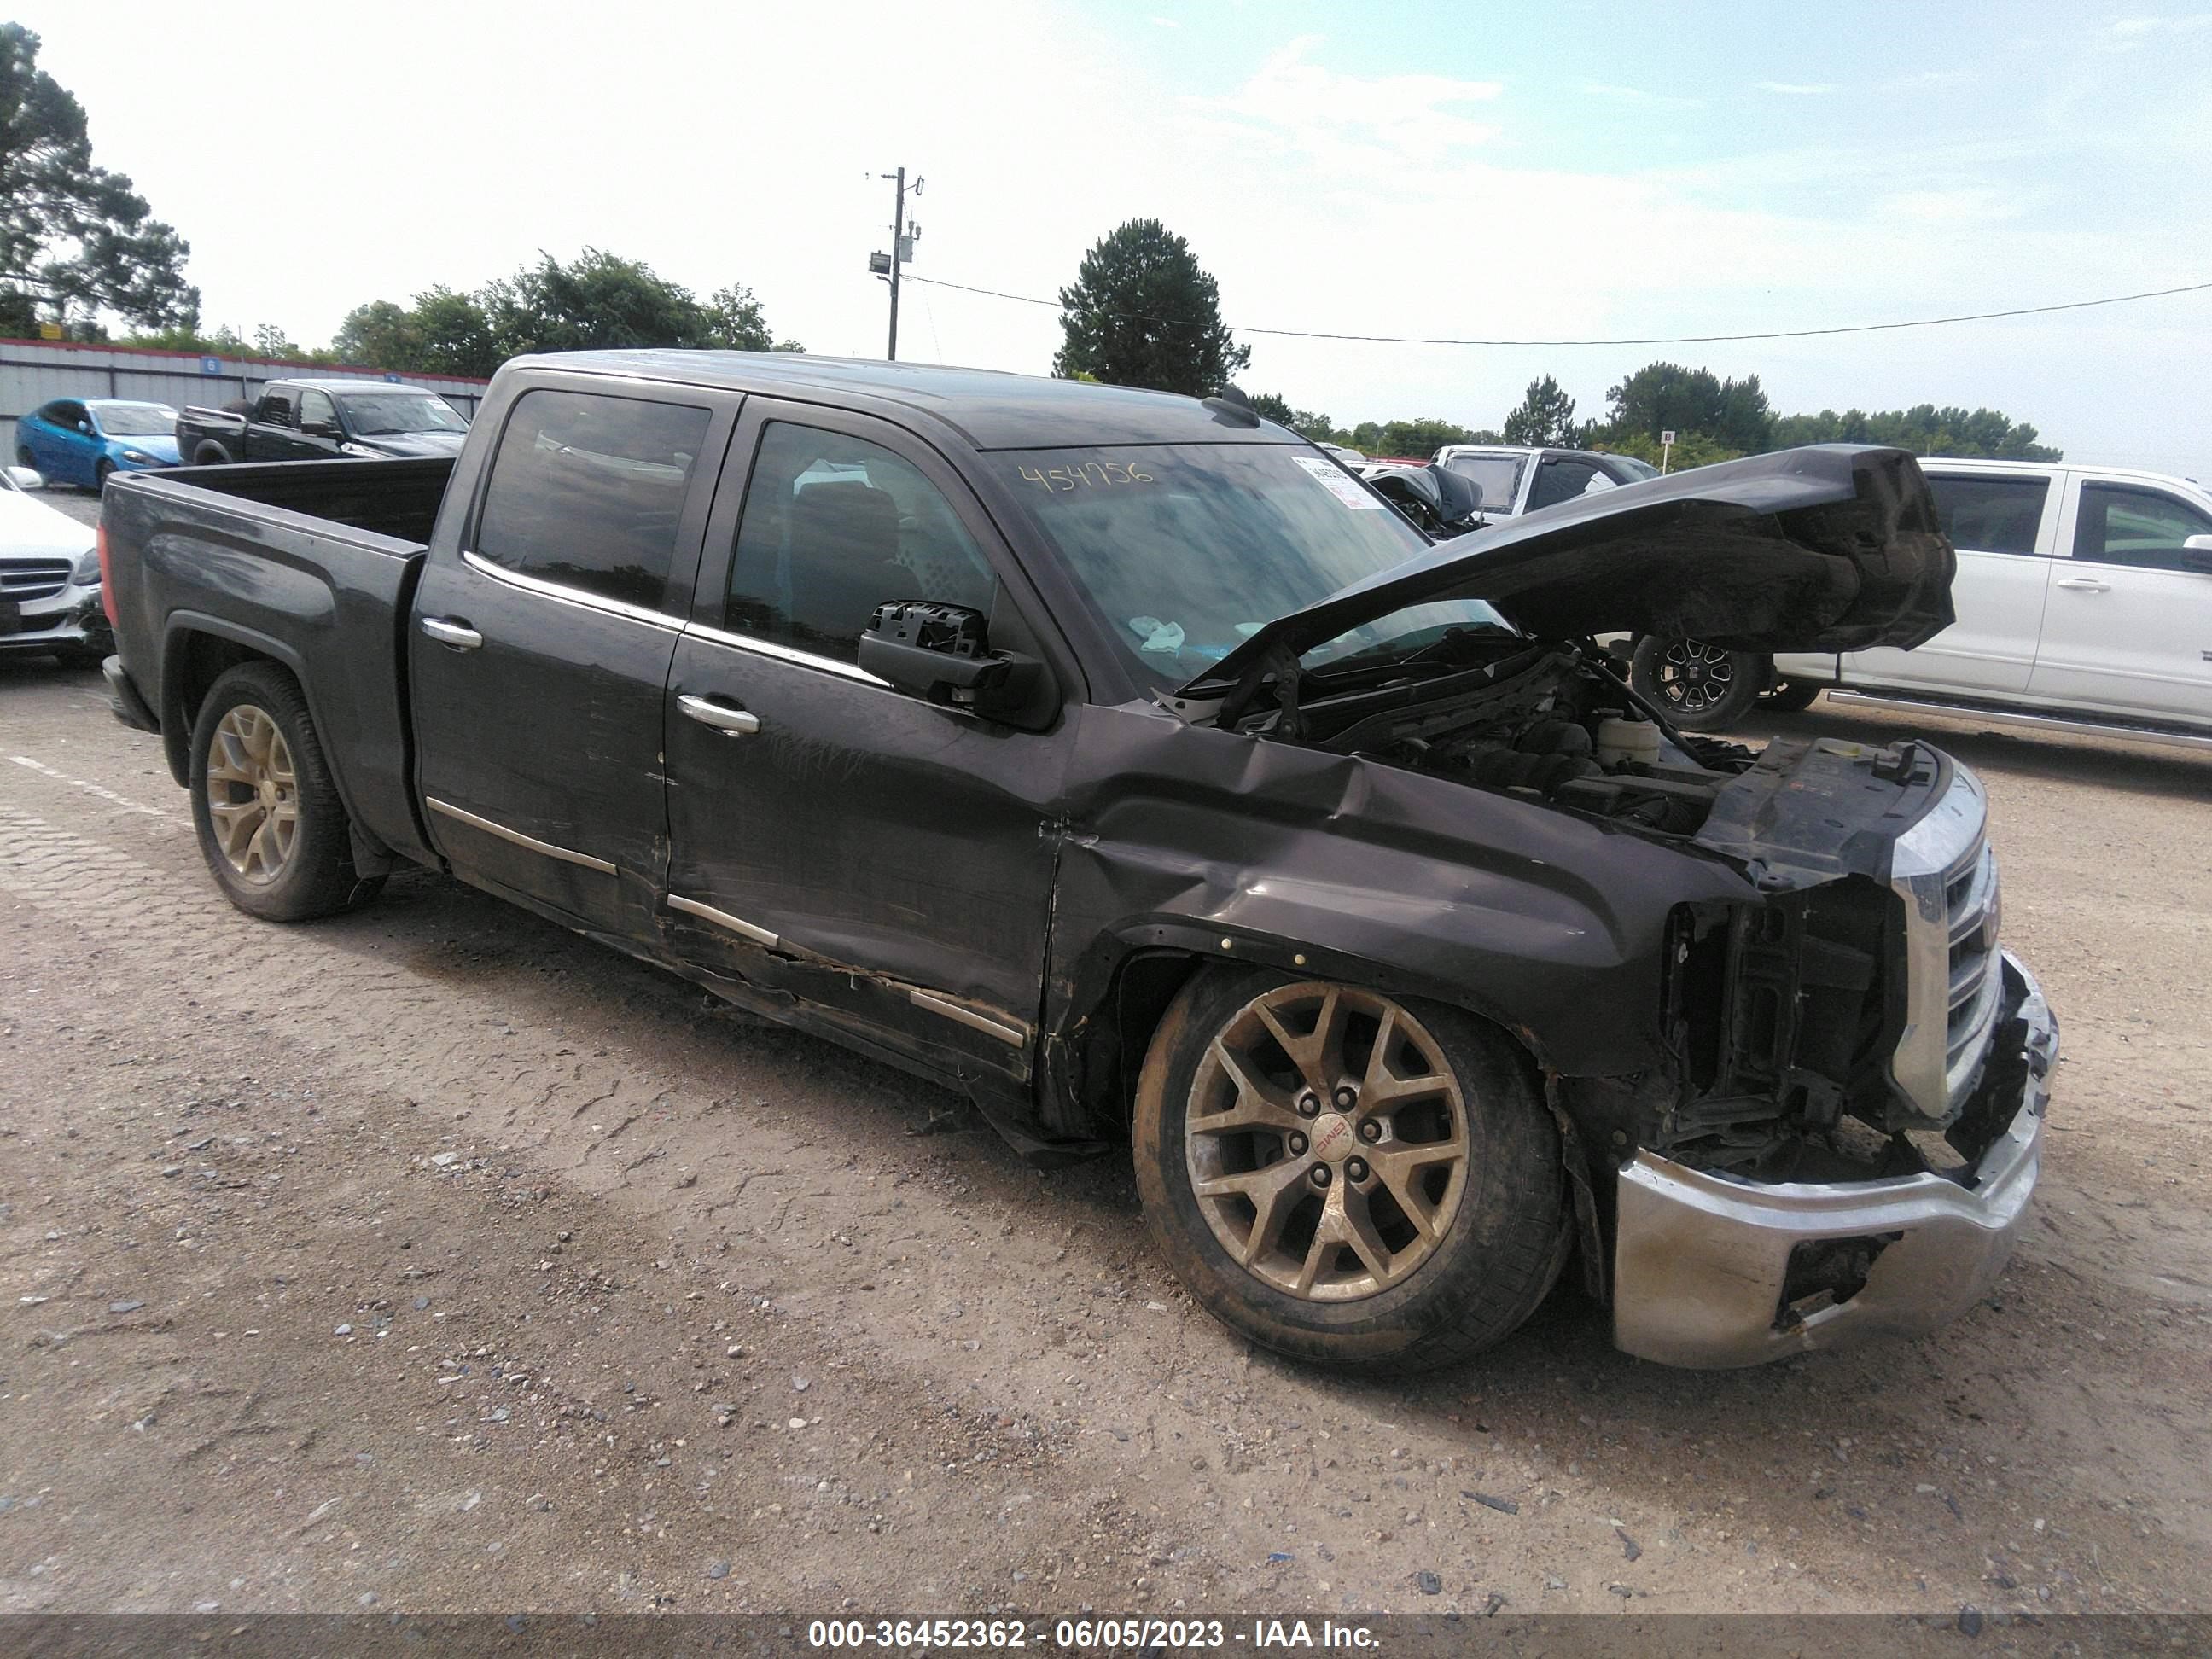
[1796, 88]
[1638, 95]
[1347, 121]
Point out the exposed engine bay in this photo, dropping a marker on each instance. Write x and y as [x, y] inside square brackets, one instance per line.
[1787, 1015]
[1548, 719]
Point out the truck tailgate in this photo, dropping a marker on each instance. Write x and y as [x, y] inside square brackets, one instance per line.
[204, 571]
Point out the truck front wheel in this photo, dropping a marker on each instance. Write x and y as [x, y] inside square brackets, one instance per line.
[272, 826]
[1347, 1178]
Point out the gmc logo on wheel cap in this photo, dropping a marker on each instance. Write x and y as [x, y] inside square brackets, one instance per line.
[1332, 1136]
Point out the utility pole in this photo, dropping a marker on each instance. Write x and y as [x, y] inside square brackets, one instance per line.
[903, 240]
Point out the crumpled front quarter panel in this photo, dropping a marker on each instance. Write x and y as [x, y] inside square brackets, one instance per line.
[1547, 922]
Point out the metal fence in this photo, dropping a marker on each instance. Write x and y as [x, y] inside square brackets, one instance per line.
[35, 372]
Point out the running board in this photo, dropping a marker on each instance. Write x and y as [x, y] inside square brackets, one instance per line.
[1966, 711]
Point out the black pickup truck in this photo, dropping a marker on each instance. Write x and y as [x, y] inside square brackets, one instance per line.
[321, 421]
[1122, 761]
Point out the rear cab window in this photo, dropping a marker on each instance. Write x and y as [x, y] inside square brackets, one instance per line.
[586, 492]
[1990, 512]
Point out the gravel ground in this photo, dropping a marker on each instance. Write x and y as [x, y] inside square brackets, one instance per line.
[433, 1258]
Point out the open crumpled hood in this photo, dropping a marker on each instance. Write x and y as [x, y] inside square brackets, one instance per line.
[1833, 547]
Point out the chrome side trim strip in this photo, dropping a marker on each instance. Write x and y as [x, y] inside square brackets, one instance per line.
[2086, 728]
[784, 654]
[743, 930]
[575, 596]
[566, 855]
[969, 1017]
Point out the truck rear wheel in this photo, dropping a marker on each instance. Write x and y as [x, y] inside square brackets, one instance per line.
[1347, 1178]
[272, 826]
[210, 455]
[1703, 687]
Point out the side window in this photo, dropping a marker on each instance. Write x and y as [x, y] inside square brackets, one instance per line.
[834, 526]
[317, 406]
[1990, 515]
[277, 409]
[71, 417]
[587, 491]
[1560, 481]
[2120, 523]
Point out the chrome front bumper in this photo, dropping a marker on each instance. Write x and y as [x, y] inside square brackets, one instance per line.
[1700, 1260]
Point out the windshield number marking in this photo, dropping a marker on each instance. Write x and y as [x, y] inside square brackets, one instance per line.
[1083, 475]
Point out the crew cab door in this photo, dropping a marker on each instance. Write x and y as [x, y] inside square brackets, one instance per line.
[2129, 629]
[541, 641]
[272, 426]
[887, 861]
[2005, 527]
[320, 435]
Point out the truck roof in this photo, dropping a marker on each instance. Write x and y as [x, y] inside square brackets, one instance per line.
[991, 408]
[336, 386]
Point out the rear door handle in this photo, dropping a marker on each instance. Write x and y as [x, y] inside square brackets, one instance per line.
[457, 634]
[730, 722]
[2084, 584]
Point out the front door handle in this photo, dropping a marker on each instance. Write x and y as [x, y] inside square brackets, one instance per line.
[730, 722]
[2084, 584]
[457, 634]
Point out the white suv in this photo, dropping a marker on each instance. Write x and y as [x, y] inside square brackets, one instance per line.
[2083, 597]
[1517, 480]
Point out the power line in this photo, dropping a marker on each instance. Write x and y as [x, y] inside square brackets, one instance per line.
[1655, 339]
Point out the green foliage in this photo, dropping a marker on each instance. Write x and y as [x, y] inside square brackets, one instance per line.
[1924, 429]
[1412, 440]
[1545, 417]
[1667, 397]
[1141, 312]
[597, 300]
[75, 239]
[1691, 448]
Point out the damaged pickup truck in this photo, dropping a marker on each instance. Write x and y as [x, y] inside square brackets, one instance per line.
[1124, 763]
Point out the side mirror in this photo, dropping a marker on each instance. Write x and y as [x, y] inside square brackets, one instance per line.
[321, 430]
[24, 478]
[939, 651]
[2197, 555]
[85, 427]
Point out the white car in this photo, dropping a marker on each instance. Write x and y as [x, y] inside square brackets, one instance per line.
[49, 577]
[2083, 598]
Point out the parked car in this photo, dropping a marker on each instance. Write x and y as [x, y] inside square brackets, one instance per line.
[2084, 601]
[50, 591]
[321, 420]
[1517, 480]
[1331, 873]
[81, 440]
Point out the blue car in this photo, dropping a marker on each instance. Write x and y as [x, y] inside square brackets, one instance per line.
[80, 440]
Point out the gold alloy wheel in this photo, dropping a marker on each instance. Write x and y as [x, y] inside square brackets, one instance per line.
[253, 795]
[1326, 1136]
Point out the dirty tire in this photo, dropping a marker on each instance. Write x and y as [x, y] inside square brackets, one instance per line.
[317, 877]
[1493, 1260]
[210, 455]
[1792, 696]
[1701, 687]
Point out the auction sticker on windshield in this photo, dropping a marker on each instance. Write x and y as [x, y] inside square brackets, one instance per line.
[1338, 484]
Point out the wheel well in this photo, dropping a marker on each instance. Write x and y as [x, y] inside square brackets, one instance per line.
[211, 454]
[1106, 1049]
[193, 664]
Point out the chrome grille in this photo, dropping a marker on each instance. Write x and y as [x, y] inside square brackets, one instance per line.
[34, 579]
[1947, 875]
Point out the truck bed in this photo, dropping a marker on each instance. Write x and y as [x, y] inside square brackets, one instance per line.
[314, 564]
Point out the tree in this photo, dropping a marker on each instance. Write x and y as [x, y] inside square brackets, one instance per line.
[734, 322]
[453, 335]
[1667, 397]
[74, 237]
[1545, 417]
[1413, 440]
[1141, 312]
[379, 334]
[1924, 429]
[597, 301]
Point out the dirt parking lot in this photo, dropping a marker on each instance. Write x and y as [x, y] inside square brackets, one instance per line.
[436, 1258]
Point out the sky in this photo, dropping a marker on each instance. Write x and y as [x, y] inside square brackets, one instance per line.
[1573, 171]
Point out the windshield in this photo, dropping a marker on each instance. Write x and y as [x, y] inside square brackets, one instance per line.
[1499, 475]
[385, 414]
[1190, 549]
[1635, 469]
[135, 419]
